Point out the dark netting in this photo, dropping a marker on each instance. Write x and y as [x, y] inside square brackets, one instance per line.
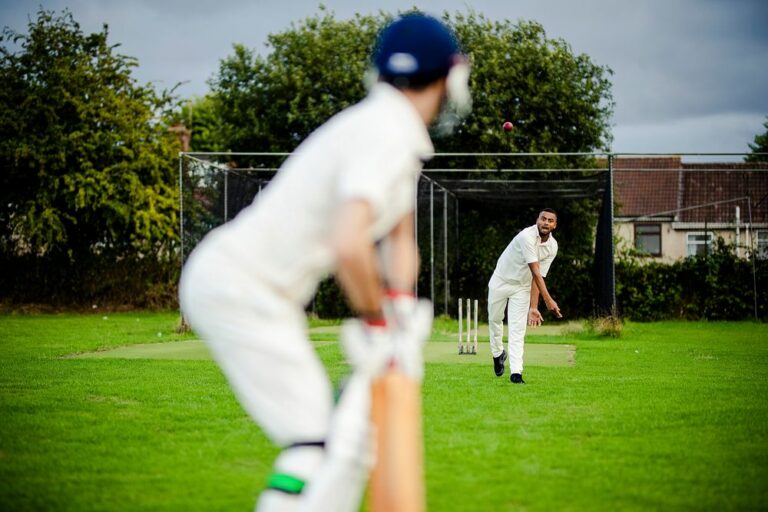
[603, 269]
[216, 186]
[241, 188]
[456, 194]
[497, 195]
[436, 228]
[470, 206]
[202, 200]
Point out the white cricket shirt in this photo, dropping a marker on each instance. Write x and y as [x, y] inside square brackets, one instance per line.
[526, 248]
[373, 150]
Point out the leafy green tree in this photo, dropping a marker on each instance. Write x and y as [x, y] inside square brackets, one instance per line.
[314, 70]
[88, 172]
[558, 101]
[760, 146]
[201, 116]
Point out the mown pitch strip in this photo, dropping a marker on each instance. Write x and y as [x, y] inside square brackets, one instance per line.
[536, 354]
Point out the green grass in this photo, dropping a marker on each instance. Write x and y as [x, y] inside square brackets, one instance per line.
[672, 416]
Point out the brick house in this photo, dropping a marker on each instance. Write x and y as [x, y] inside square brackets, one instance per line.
[669, 209]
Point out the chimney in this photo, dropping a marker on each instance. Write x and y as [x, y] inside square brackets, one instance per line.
[183, 133]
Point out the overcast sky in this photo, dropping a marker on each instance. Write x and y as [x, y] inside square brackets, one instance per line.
[690, 76]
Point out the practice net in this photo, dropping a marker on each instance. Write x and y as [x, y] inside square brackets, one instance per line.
[651, 209]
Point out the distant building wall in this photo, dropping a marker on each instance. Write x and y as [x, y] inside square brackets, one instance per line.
[675, 240]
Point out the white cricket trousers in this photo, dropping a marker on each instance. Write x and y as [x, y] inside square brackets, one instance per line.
[260, 341]
[517, 299]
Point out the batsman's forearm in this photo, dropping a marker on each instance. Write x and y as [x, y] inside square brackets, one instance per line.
[359, 278]
[402, 256]
[404, 267]
[357, 269]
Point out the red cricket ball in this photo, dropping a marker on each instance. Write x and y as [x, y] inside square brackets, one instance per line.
[507, 126]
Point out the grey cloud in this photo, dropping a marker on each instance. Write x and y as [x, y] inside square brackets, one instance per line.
[695, 66]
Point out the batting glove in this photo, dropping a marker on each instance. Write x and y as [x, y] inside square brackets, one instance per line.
[411, 320]
[367, 347]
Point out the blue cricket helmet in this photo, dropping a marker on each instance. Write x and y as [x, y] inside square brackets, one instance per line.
[416, 47]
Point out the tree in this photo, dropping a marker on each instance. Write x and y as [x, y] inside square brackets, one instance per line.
[314, 70]
[558, 101]
[200, 115]
[88, 172]
[760, 146]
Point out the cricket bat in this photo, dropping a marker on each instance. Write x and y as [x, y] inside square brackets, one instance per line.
[397, 480]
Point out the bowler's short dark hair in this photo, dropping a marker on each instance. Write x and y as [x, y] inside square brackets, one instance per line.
[549, 210]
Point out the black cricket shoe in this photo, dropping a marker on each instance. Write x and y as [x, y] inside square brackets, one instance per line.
[516, 378]
[498, 363]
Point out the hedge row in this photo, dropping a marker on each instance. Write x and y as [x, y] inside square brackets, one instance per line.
[718, 286]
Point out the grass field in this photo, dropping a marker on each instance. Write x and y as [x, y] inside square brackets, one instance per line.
[672, 416]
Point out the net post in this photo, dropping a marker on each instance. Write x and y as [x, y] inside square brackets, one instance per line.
[226, 195]
[611, 262]
[474, 348]
[432, 242]
[416, 230]
[461, 323]
[181, 209]
[754, 255]
[445, 251]
[182, 322]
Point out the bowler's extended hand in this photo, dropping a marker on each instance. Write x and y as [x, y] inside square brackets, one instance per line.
[554, 308]
[534, 317]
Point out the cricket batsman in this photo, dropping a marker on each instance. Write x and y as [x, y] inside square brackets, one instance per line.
[341, 204]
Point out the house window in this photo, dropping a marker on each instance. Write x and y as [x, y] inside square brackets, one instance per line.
[762, 245]
[648, 238]
[699, 243]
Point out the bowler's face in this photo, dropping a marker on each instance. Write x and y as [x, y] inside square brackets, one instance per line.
[547, 222]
